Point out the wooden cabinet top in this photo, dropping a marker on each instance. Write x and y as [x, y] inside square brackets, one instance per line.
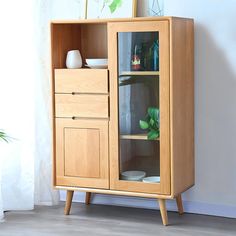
[94, 21]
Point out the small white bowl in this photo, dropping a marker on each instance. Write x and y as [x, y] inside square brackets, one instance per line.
[97, 62]
[152, 179]
[133, 175]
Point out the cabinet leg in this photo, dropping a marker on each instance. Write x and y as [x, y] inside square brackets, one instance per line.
[87, 198]
[162, 204]
[69, 197]
[180, 204]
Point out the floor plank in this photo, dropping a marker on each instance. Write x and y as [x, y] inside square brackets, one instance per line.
[111, 220]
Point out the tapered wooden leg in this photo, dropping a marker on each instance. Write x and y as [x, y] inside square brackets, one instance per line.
[180, 204]
[69, 197]
[162, 204]
[87, 198]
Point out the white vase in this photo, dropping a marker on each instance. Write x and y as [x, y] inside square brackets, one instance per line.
[73, 59]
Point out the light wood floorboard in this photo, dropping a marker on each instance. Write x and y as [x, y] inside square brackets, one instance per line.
[111, 220]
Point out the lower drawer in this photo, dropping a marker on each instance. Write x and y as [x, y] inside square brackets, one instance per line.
[94, 106]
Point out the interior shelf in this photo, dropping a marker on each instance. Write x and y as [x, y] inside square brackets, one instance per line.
[129, 73]
[135, 136]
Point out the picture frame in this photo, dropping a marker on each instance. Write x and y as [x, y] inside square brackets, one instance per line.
[100, 9]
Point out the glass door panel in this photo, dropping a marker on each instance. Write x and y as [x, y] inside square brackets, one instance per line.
[139, 126]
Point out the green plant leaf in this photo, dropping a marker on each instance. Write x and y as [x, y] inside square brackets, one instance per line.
[114, 5]
[152, 122]
[153, 134]
[4, 136]
[153, 112]
[143, 124]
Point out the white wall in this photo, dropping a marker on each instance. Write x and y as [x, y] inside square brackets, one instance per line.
[215, 108]
[215, 98]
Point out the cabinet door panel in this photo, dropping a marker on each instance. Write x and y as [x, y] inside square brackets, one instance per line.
[82, 153]
[139, 85]
[82, 160]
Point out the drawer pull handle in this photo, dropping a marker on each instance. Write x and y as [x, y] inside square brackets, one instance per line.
[74, 93]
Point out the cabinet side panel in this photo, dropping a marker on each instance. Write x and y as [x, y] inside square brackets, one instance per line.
[182, 105]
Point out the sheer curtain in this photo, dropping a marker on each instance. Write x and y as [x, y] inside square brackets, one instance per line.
[25, 163]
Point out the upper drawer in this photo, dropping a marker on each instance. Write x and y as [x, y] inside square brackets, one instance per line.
[81, 81]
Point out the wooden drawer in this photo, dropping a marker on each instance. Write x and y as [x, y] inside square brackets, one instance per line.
[81, 81]
[84, 105]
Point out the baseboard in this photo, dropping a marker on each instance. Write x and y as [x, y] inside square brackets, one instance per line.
[189, 206]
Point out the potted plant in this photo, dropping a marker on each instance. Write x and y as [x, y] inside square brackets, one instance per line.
[151, 123]
[3, 136]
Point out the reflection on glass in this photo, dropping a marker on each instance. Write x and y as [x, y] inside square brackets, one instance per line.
[138, 82]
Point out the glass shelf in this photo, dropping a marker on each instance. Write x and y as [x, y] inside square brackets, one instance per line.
[136, 136]
[130, 73]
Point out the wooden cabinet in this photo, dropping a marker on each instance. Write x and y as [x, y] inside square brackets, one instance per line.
[97, 113]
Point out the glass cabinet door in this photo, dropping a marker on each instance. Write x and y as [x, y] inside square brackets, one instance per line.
[142, 159]
[138, 85]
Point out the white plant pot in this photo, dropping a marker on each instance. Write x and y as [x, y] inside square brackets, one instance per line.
[73, 59]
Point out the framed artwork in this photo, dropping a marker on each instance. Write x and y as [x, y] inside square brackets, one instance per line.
[111, 8]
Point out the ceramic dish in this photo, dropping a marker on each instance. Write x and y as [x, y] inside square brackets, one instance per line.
[133, 175]
[96, 62]
[97, 66]
[152, 179]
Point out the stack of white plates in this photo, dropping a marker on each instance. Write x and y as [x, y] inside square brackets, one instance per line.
[152, 179]
[133, 175]
[97, 63]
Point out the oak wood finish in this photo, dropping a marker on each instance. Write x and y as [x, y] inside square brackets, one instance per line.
[78, 163]
[81, 81]
[65, 37]
[80, 159]
[180, 204]
[162, 27]
[176, 106]
[162, 204]
[115, 192]
[81, 105]
[94, 41]
[87, 198]
[69, 196]
[181, 105]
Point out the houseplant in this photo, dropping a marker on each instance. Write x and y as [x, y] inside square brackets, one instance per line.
[151, 123]
[3, 136]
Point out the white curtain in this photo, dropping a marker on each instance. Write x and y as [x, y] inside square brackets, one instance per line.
[25, 163]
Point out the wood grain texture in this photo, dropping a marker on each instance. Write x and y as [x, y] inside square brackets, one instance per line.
[176, 105]
[87, 167]
[65, 37]
[93, 41]
[78, 105]
[182, 105]
[163, 29]
[81, 81]
[82, 159]
[100, 21]
[69, 196]
[180, 204]
[115, 192]
[162, 204]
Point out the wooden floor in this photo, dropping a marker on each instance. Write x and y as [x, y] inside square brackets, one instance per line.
[109, 220]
